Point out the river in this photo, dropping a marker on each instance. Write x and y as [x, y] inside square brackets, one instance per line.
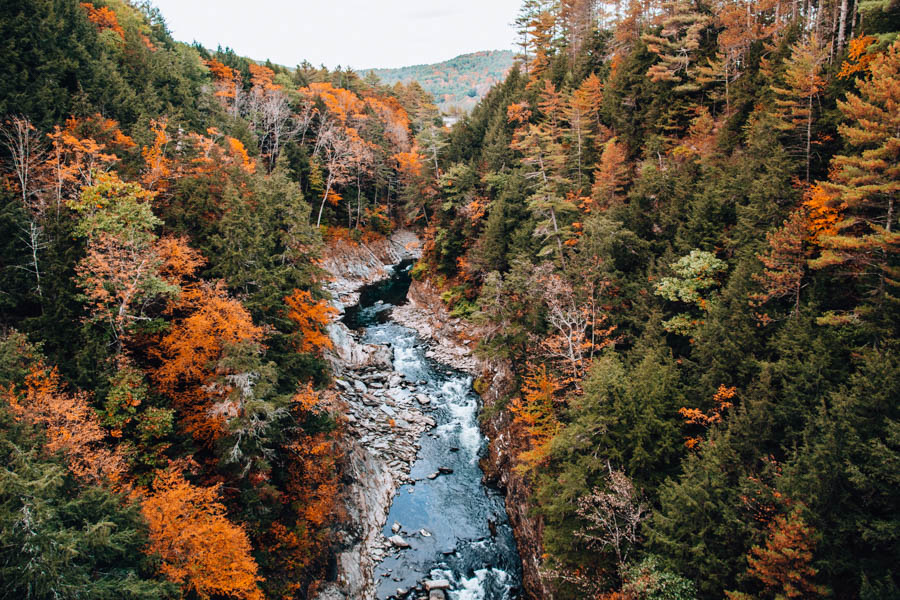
[455, 525]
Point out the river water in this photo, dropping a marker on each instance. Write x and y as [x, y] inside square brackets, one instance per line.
[456, 526]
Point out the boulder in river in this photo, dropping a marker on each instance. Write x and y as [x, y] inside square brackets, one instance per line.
[437, 584]
[398, 541]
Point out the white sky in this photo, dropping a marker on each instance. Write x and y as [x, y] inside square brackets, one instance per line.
[356, 33]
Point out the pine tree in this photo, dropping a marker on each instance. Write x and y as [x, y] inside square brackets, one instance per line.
[864, 184]
[803, 82]
[677, 45]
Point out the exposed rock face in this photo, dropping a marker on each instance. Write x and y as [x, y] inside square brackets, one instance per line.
[382, 432]
[354, 265]
[453, 341]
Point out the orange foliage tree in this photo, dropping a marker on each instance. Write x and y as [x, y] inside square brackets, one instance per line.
[784, 265]
[158, 170]
[190, 352]
[824, 213]
[75, 158]
[299, 542]
[311, 317]
[803, 82]
[611, 175]
[858, 57]
[863, 184]
[104, 18]
[228, 86]
[71, 425]
[535, 411]
[127, 267]
[694, 416]
[784, 564]
[197, 544]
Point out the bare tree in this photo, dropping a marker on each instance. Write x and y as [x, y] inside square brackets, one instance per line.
[613, 515]
[23, 142]
[26, 152]
[336, 149]
[277, 124]
[432, 141]
[574, 315]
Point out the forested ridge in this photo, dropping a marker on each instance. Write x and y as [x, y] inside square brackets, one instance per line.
[458, 83]
[676, 221]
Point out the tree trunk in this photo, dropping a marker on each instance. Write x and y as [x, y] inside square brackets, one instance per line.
[842, 24]
[34, 234]
[808, 136]
[562, 260]
[324, 198]
[358, 200]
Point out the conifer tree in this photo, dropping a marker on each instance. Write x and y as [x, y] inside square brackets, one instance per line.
[677, 45]
[864, 184]
[803, 82]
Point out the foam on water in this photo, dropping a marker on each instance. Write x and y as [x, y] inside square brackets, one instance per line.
[463, 406]
[476, 588]
[406, 357]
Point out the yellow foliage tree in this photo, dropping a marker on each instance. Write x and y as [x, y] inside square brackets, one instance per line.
[535, 411]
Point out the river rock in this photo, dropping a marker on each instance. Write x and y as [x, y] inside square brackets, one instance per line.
[437, 595]
[423, 399]
[445, 470]
[436, 584]
[398, 541]
[395, 527]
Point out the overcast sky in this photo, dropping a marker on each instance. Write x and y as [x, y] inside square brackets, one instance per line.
[356, 33]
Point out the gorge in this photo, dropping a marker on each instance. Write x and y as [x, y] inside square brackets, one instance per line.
[431, 525]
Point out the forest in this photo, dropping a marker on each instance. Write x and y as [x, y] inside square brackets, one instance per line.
[675, 220]
[459, 83]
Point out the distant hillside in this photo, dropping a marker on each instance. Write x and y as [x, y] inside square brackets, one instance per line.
[461, 81]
